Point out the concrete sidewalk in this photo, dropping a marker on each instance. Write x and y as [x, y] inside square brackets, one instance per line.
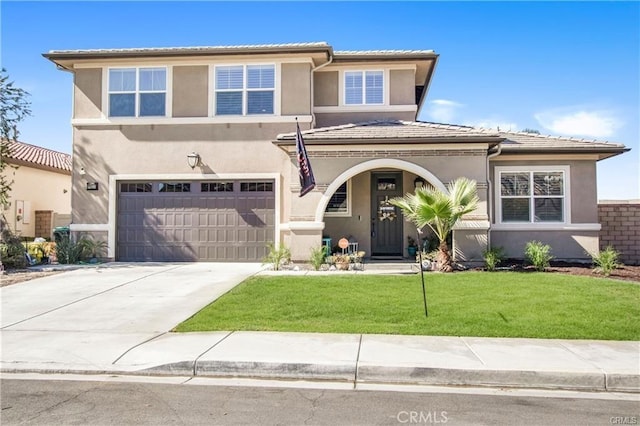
[423, 360]
[116, 318]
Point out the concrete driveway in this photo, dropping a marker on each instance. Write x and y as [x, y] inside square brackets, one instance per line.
[95, 315]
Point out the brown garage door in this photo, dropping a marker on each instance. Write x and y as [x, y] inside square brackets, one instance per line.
[227, 221]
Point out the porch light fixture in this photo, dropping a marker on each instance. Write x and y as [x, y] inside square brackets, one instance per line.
[418, 182]
[193, 159]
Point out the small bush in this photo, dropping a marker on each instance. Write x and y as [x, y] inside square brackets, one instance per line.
[493, 257]
[538, 254]
[12, 251]
[277, 256]
[606, 261]
[68, 251]
[90, 248]
[318, 255]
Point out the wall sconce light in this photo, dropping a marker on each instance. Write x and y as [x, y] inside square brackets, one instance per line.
[82, 171]
[193, 160]
[418, 182]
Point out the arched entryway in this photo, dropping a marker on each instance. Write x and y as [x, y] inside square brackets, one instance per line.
[371, 184]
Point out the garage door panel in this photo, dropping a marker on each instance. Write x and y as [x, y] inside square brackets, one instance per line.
[224, 226]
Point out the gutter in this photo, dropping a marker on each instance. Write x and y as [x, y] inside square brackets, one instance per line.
[490, 193]
[313, 70]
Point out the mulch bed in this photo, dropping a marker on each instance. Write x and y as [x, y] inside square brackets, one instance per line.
[624, 272]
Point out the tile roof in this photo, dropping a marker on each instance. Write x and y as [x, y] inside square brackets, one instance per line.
[411, 130]
[251, 48]
[521, 141]
[393, 129]
[394, 53]
[190, 49]
[39, 156]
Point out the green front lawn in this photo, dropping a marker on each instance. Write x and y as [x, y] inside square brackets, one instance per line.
[504, 304]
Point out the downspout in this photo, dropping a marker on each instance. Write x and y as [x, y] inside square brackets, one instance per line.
[490, 193]
[313, 70]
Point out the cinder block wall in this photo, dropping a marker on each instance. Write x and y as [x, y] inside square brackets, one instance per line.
[620, 222]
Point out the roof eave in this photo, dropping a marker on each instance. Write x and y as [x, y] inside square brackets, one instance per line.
[603, 153]
[427, 84]
[23, 163]
[492, 141]
[163, 53]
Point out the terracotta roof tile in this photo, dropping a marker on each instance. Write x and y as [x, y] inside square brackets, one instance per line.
[40, 156]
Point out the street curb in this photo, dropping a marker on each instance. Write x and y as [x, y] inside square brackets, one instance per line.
[516, 379]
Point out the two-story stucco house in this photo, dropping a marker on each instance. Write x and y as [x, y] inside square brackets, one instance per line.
[189, 154]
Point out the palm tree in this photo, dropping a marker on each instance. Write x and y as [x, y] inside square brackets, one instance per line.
[440, 211]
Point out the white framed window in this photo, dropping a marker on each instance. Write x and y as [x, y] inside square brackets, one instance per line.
[363, 87]
[137, 92]
[340, 203]
[244, 89]
[532, 195]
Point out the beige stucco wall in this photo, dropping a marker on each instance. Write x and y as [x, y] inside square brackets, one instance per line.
[325, 88]
[190, 91]
[87, 99]
[45, 190]
[444, 165]
[565, 245]
[296, 89]
[156, 149]
[402, 90]
[571, 244]
[584, 203]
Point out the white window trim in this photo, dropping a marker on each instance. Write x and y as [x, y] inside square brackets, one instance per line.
[346, 213]
[213, 91]
[168, 98]
[566, 223]
[343, 93]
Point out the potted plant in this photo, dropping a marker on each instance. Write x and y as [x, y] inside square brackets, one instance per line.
[412, 247]
[341, 261]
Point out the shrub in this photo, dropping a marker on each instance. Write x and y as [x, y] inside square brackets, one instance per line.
[606, 261]
[493, 257]
[90, 248]
[68, 251]
[277, 256]
[318, 255]
[538, 254]
[12, 251]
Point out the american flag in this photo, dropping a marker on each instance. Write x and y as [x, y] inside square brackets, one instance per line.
[307, 181]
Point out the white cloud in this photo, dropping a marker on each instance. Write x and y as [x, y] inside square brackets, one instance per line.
[579, 121]
[442, 110]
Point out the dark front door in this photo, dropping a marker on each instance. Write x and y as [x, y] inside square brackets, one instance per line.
[386, 220]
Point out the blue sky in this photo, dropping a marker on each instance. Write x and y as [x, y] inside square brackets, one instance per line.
[563, 68]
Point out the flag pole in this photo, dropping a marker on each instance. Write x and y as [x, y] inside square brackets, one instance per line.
[424, 291]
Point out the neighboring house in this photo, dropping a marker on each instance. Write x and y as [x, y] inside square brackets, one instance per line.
[40, 196]
[140, 115]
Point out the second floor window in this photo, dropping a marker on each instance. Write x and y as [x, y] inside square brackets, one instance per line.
[363, 87]
[137, 92]
[244, 89]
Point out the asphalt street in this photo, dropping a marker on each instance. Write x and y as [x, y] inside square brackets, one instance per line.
[53, 402]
